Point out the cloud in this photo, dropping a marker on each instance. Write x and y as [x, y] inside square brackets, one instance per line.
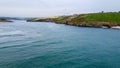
[55, 7]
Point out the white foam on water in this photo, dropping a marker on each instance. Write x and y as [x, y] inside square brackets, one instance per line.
[13, 33]
[116, 27]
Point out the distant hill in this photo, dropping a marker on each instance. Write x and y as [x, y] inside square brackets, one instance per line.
[4, 20]
[12, 18]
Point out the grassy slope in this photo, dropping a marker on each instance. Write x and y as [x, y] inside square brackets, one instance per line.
[94, 19]
[107, 17]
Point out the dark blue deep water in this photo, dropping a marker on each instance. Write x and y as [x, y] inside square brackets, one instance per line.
[49, 45]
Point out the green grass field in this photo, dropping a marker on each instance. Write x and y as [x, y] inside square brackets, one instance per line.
[106, 17]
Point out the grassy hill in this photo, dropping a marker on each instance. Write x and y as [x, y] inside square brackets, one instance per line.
[108, 19]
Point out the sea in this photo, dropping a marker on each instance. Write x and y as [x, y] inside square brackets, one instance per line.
[49, 45]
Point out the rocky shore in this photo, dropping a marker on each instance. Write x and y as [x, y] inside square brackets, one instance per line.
[98, 20]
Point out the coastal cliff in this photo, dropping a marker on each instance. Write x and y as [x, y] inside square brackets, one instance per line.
[107, 20]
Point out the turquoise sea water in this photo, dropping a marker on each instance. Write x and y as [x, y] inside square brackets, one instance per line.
[49, 45]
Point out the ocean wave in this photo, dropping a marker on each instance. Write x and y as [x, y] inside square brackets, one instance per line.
[12, 33]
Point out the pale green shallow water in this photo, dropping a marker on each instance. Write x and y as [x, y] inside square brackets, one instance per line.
[49, 45]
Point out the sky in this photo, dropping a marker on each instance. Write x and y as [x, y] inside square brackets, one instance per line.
[45, 8]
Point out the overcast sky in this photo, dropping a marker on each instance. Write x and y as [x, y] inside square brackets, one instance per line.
[43, 8]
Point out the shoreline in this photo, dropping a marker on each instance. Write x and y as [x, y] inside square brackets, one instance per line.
[103, 27]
